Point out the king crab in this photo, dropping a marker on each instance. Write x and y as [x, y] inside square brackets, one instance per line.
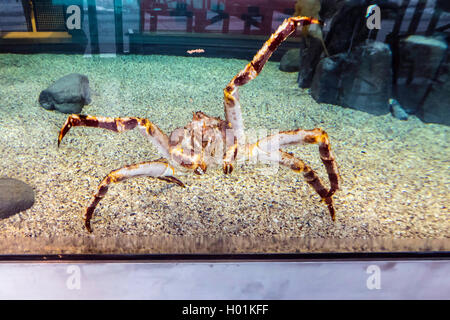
[205, 138]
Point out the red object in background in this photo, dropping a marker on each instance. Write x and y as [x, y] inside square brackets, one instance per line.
[163, 8]
[257, 13]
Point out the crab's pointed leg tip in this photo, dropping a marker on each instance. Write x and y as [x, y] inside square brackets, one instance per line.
[333, 214]
[178, 182]
[88, 227]
[227, 168]
[60, 137]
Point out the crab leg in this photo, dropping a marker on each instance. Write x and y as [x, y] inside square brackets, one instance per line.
[298, 165]
[147, 128]
[157, 169]
[232, 106]
[299, 136]
[311, 178]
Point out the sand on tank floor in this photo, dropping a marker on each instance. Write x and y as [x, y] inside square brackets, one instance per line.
[395, 174]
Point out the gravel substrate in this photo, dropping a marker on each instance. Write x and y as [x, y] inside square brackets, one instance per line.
[395, 174]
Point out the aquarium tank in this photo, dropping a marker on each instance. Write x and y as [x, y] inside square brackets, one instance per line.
[224, 126]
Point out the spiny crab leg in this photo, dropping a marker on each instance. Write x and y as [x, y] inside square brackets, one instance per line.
[300, 136]
[268, 149]
[311, 177]
[159, 169]
[147, 128]
[233, 113]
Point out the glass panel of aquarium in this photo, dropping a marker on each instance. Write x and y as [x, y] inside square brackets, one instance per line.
[224, 126]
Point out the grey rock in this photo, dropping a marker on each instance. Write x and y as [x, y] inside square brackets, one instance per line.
[328, 8]
[342, 33]
[436, 108]
[397, 110]
[420, 57]
[348, 26]
[420, 62]
[326, 80]
[15, 196]
[290, 62]
[361, 80]
[310, 51]
[68, 94]
[410, 96]
[443, 5]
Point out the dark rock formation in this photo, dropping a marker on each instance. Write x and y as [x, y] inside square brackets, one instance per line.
[436, 106]
[290, 62]
[68, 94]
[310, 51]
[348, 27]
[443, 5]
[328, 8]
[419, 59]
[326, 82]
[360, 80]
[15, 196]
